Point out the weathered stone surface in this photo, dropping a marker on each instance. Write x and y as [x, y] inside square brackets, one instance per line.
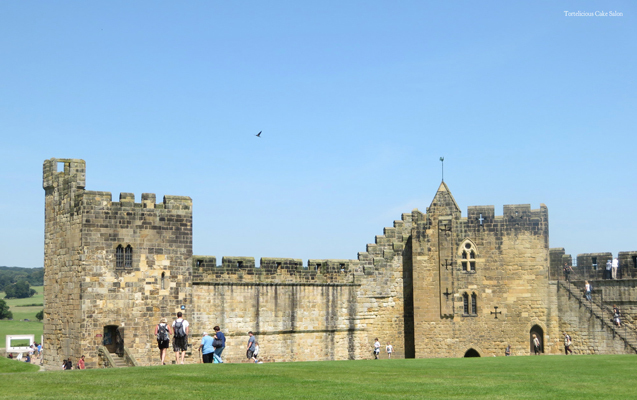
[430, 284]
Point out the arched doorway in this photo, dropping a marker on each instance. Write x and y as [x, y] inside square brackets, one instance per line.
[472, 353]
[113, 339]
[539, 332]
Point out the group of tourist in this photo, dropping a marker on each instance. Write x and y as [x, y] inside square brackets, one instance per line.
[388, 348]
[537, 345]
[210, 347]
[611, 269]
[67, 364]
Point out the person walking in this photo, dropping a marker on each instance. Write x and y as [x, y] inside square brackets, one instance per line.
[567, 344]
[180, 337]
[389, 349]
[376, 349]
[162, 333]
[251, 345]
[507, 351]
[219, 342]
[536, 345]
[617, 316]
[255, 354]
[587, 291]
[81, 363]
[206, 348]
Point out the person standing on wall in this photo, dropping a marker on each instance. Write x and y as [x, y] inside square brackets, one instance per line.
[567, 271]
[251, 345]
[180, 337]
[567, 344]
[609, 267]
[615, 266]
[162, 332]
[206, 348]
[219, 342]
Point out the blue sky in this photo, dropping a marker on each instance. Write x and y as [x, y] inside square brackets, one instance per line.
[357, 101]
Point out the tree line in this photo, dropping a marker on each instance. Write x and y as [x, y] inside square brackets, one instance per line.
[13, 275]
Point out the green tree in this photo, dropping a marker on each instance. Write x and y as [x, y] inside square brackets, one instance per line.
[4, 310]
[40, 315]
[19, 290]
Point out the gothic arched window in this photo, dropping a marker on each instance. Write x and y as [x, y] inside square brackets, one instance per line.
[119, 257]
[467, 252]
[128, 257]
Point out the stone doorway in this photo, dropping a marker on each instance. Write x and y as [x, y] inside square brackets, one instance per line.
[539, 332]
[113, 339]
[472, 353]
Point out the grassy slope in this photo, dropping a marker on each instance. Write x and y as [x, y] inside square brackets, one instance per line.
[548, 377]
[17, 327]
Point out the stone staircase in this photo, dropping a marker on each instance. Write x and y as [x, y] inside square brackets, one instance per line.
[604, 314]
[118, 362]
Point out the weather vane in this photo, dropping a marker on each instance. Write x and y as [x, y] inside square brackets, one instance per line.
[442, 160]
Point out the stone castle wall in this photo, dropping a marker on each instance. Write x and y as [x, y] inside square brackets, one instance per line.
[432, 284]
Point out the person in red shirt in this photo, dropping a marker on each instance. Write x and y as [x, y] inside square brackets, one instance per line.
[80, 363]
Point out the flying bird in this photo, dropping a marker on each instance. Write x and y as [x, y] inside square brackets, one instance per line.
[258, 134]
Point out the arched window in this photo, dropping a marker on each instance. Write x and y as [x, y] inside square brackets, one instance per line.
[163, 277]
[467, 252]
[474, 304]
[119, 257]
[128, 257]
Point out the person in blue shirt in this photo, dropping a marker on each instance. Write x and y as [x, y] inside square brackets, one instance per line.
[206, 348]
[219, 336]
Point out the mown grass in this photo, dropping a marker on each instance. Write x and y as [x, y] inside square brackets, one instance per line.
[547, 377]
[19, 327]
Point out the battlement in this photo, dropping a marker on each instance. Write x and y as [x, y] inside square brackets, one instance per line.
[127, 200]
[56, 171]
[205, 269]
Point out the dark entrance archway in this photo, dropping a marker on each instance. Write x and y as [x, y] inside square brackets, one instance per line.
[539, 332]
[472, 353]
[113, 339]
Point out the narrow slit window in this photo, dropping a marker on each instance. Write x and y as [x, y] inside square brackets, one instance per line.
[474, 304]
[163, 278]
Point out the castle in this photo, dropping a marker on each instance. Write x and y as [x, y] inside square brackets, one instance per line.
[435, 284]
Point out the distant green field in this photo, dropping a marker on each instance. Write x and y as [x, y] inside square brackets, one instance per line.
[545, 377]
[17, 326]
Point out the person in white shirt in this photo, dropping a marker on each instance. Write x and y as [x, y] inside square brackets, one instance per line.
[376, 349]
[389, 349]
[615, 265]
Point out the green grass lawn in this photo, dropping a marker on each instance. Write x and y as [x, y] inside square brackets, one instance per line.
[19, 327]
[547, 377]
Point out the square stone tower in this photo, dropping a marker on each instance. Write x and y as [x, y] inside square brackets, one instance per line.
[465, 267]
[111, 269]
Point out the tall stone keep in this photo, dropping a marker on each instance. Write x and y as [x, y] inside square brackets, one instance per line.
[481, 282]
[111, 269]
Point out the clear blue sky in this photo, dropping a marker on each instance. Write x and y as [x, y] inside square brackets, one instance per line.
[357, 101]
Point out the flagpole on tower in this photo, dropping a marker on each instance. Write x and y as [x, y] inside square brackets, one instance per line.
[442, 160]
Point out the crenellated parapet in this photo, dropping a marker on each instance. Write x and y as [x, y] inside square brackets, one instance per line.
[127, 201]
[273, 270]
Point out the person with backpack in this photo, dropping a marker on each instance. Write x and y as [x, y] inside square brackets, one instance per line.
[162, 332]
[180, 337]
